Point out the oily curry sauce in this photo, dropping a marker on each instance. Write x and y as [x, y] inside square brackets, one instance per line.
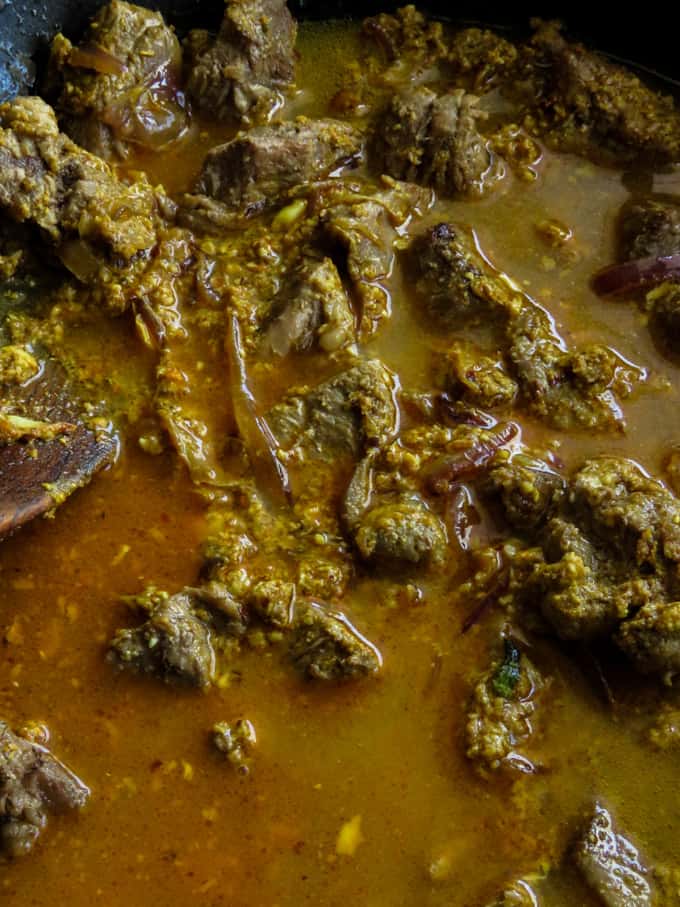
[358, 792]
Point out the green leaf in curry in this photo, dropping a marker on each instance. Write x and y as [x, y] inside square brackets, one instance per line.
[506, 678]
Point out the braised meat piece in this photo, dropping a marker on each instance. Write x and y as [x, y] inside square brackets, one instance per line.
[401, 133]
[344, 415]
[101, 226]
[629, 510]
[651, 639]
[273, 602]
[407, 32]
[478, 379]
[447, 278]
[239, 76]
[433, 140]
[175, 641]
[325, 646]
[402, 530]
[650, 228]
[590, 104]
[481, 57]
[610, 864]
[583, 592]
[529, 491]
[457, 158]
[120, 87]
[608, 563]
[360, 227]
[619, 556]
[392, 527]
[312, 309]
[501, 713]
[32, 784]
[565, 388]
[258, 167]
[40, 166]
[664, 303]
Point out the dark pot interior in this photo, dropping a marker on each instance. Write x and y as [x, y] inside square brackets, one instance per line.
[25, 28]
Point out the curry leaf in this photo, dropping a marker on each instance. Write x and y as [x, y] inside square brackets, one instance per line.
[506, 677]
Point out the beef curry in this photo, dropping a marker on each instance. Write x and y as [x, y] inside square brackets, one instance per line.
[343, 360]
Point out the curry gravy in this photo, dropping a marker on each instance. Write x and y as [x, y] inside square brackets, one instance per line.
[167, 821]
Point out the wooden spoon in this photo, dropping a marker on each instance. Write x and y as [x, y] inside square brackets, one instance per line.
[57, 453]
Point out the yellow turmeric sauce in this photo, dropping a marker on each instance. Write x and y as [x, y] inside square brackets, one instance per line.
[359, 793]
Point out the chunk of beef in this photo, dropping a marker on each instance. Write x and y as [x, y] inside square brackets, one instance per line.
[350, 412]
[239, 76]
[32, 784]
[651, 639]
[258, 167]
[120, 88]
[38, 164]
[202, 214]
[361, 227]
[400, 530]
[313, 308]
[102, 227]
[325, 646]
[237, 742]
[672, 468]
[568, 389]
[582, 591]
[478, 379]
[175, 641]
[649, 228]
[273, 601]
[664, 303]
[446, 276]
[499, 718]
[457, 158]
[402, 133]
[433, 141]
[406, 33]
[611, 865]
[612, 553]
[529, 490]
[629, 510]
[594, 103]
[481, 57]
[607, 565]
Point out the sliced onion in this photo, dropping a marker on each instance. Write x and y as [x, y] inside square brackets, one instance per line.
[253, 428]
[449, 470]
[498, 586]
[149, 325]
[91, 56]
[458, 511]
[78, 257]
[634, 275]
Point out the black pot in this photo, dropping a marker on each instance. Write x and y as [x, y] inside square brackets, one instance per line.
[26, 28]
